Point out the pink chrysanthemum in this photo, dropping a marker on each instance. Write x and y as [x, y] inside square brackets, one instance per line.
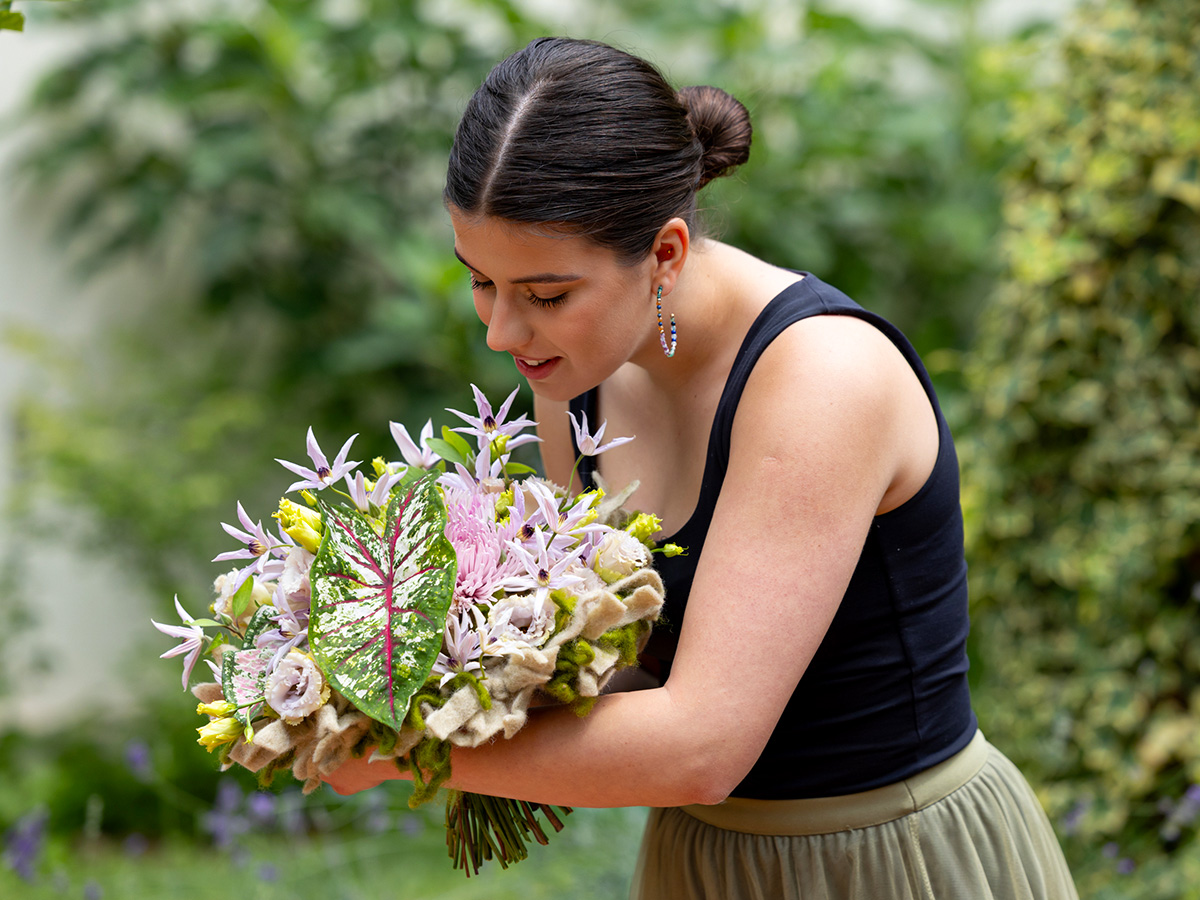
[483, 563]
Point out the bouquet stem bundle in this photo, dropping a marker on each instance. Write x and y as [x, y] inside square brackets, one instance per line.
[480, 827]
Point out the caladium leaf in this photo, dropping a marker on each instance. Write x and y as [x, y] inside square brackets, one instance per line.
[380, 598]
[243, 680]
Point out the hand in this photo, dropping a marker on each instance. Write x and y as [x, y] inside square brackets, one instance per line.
[358, 775]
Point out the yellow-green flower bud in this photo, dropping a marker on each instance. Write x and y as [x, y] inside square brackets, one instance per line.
[503, 502]
[379, 464]
[302, 525]
[309, 497]
[217, 710]
[673, 550]
[596, 495]
[643, 525]
[219, 732]
[499, 445]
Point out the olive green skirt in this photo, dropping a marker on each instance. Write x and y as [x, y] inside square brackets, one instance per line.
[969, 828]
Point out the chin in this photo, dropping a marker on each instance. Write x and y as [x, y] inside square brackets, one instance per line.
[551, 392]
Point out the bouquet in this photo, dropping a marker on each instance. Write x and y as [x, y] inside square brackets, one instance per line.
[424, 605]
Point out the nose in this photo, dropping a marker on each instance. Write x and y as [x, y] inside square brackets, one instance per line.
[506, 326]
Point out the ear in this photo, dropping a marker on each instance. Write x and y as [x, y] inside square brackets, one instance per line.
[669, 254]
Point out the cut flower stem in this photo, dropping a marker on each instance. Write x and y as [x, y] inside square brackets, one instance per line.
[480, 827]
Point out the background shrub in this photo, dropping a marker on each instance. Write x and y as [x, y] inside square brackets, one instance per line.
[1082, 464]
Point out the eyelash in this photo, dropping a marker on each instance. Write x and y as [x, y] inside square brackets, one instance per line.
[544, 302]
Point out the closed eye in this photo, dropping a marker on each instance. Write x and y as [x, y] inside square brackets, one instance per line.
[478, 284]
[545, 302]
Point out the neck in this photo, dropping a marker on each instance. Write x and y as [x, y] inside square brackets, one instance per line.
[705, 301]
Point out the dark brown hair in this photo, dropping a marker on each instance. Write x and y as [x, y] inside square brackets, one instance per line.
[586, 138]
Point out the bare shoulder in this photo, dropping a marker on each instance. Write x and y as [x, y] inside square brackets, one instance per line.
[554, 429]
[835, 394]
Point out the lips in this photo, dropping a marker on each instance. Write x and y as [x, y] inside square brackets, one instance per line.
[536, 368]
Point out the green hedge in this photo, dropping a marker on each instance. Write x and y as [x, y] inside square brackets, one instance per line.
[1082, 465]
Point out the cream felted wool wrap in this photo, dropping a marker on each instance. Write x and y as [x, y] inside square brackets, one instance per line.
[325, 740]
[463, 721]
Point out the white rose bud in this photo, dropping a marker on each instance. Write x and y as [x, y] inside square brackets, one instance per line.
[619, 555]
[296, 688]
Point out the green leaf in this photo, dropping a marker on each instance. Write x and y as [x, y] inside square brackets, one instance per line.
[380, 600]
[458, 442]
[446, 451]
[12, 21]
[240, 601]
[262, 619]
[516, 468]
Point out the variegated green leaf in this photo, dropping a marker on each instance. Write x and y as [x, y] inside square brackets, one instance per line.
[380, 599]
[243, 680]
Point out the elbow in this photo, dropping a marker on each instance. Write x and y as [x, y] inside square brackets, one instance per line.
[708, 778]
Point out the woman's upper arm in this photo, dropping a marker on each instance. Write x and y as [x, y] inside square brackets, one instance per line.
[554, 428]
[813, 451]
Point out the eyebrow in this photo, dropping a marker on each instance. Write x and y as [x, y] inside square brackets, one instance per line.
[540, 278]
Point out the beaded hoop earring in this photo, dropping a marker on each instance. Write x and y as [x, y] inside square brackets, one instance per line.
[662, 332]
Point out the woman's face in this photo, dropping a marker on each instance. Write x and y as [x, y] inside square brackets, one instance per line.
[565, 308]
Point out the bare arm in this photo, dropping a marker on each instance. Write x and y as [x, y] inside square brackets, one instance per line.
[820, 436]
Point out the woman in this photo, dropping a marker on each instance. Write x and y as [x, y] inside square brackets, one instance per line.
[812, 735]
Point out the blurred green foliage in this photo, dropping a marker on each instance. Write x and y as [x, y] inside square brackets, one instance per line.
[277, 166]
[9, 19]
[273, 170]
[1082, 486]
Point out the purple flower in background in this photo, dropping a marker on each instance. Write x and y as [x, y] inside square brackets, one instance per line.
[1125, 865]
[93, 891]
[1073, 817]
[225, 822]
[192, 641]
[24, 842]
[323, 473]
[137, 758]
[136, 845]
[261, 807]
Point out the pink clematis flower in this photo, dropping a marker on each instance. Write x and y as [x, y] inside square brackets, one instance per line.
[378, 495]
[487, 426]
[462, 648]
[589, 444]
[415, 453]
[543, 573]
[258, 548]
[567, 527]
[192, 640]
[323, 474]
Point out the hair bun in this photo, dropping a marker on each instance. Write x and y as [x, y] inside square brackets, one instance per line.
[722, 125]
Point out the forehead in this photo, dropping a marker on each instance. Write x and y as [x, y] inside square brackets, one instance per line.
[494, 246]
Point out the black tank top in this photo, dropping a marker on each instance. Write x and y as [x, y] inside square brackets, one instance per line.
[885, 695]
